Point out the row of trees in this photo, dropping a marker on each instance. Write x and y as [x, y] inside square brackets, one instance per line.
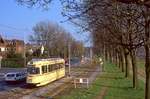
[56, 40]
[118, 28]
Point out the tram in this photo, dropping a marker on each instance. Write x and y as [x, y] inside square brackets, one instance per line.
[43, 71]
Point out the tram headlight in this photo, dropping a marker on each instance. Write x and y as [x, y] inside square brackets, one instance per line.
[29, 80]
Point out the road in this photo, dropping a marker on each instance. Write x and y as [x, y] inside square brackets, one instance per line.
[7, 86]
[19, 89]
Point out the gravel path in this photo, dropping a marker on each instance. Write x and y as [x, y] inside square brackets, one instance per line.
[91, 74]
[94, 74]
[102, 93]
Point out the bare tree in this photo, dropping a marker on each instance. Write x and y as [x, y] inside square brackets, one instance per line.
[55, 39]
[128, 29]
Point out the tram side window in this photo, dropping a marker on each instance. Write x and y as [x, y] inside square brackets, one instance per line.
[49, 68]
[61, 66]
[55, 67]
[58, 66]
[44, 69]
[52, 67]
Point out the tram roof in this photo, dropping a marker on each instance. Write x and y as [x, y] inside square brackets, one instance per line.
[39, 61]
[46, 59]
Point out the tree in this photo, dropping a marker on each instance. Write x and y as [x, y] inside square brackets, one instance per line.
[92, 15]
[55, 40]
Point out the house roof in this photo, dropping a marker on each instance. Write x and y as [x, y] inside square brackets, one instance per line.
[1, 39]
[5, 42]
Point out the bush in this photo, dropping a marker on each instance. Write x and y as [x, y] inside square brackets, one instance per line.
[12, 54]
[13, 62]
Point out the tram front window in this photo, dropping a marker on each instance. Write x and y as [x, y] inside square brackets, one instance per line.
[33, 70]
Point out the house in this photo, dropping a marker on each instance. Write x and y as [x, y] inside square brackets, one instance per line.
[11, 45]
[2, 46]
[31, 48]
[15, 45]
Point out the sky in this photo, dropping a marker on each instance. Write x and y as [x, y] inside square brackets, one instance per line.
[16, 21]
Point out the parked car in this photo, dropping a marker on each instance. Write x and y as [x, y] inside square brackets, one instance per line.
[15, 76]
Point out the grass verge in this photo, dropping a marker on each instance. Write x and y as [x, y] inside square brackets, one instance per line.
[118, 87]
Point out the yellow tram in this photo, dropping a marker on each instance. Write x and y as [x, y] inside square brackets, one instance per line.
[44, 71]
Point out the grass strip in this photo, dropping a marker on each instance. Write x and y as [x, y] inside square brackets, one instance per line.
[121, 87]
[118, 86]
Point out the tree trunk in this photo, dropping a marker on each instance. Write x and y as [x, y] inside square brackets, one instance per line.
[147, 87]
[116, 58]
[147, 69]
[123, 61]
[119, 56]
[127, 58]
[113, 56]
[104, 58]
[106, 54]
[147, 52]
[110, 56]
[134, 68]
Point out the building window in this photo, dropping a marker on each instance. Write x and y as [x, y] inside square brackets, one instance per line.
[2, 49]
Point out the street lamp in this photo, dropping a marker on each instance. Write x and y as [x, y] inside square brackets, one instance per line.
[69, 56]
[0, 61]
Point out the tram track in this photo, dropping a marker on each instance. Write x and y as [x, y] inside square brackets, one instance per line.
[15, 93]
[47, 88]
[25, 92]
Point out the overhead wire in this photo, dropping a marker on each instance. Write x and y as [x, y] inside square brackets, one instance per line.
[15, 30]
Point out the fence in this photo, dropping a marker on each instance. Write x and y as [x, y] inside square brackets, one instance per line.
[81, 81]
